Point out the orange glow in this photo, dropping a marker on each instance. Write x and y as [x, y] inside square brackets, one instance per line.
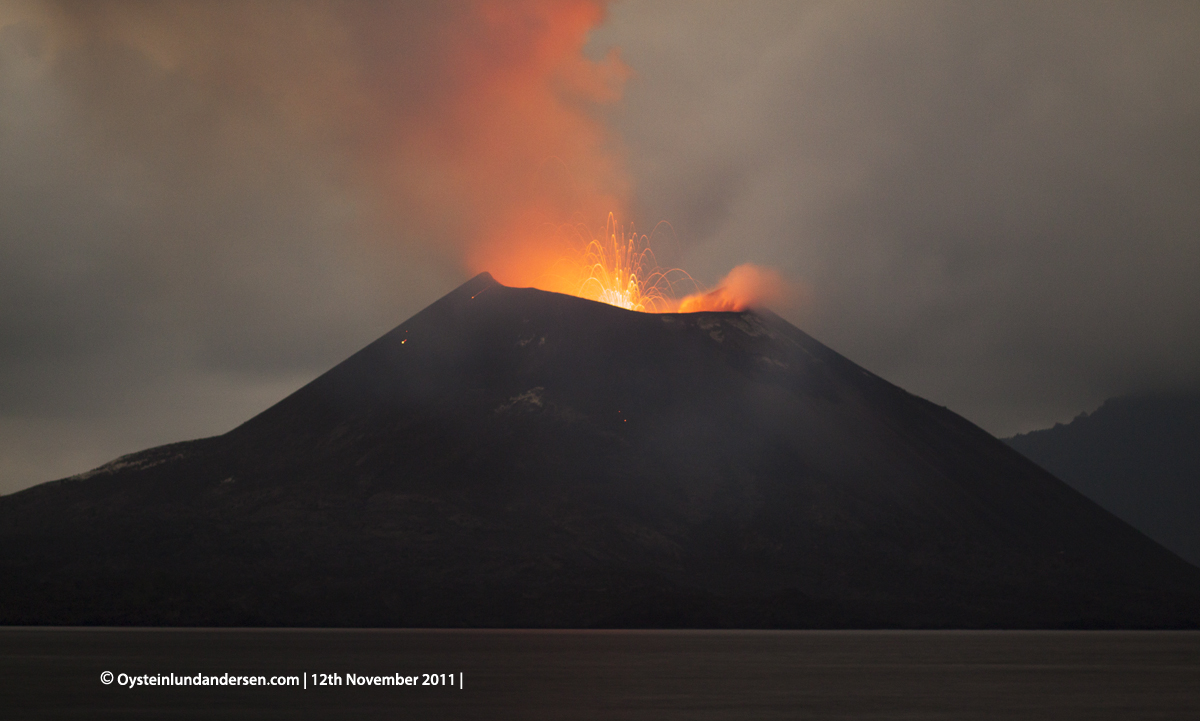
[620, 269]
[746, 286]
[519, 151]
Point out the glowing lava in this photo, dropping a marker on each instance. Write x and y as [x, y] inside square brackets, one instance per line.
[620, 269]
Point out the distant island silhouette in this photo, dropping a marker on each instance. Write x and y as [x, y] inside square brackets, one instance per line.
[1137, 456]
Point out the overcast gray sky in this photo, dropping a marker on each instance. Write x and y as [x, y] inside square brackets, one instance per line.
[202, 207]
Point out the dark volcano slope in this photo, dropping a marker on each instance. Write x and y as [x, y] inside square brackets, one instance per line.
[511, 457]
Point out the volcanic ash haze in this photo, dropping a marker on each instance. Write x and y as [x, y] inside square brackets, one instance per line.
[512, 457]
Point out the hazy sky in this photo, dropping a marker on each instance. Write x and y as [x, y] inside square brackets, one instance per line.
[203, 206]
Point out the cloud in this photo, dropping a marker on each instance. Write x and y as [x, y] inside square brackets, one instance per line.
[990, 205]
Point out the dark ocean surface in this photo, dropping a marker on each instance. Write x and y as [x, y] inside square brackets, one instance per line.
[652, 675]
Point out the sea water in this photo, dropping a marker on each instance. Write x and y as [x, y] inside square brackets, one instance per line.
[79, 673]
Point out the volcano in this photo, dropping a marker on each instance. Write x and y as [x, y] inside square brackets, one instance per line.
[510, 457]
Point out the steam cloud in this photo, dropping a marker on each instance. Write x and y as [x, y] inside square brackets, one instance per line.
[746, 286]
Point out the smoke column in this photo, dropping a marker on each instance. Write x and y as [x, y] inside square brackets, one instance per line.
[466, 133]
[466, 128]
